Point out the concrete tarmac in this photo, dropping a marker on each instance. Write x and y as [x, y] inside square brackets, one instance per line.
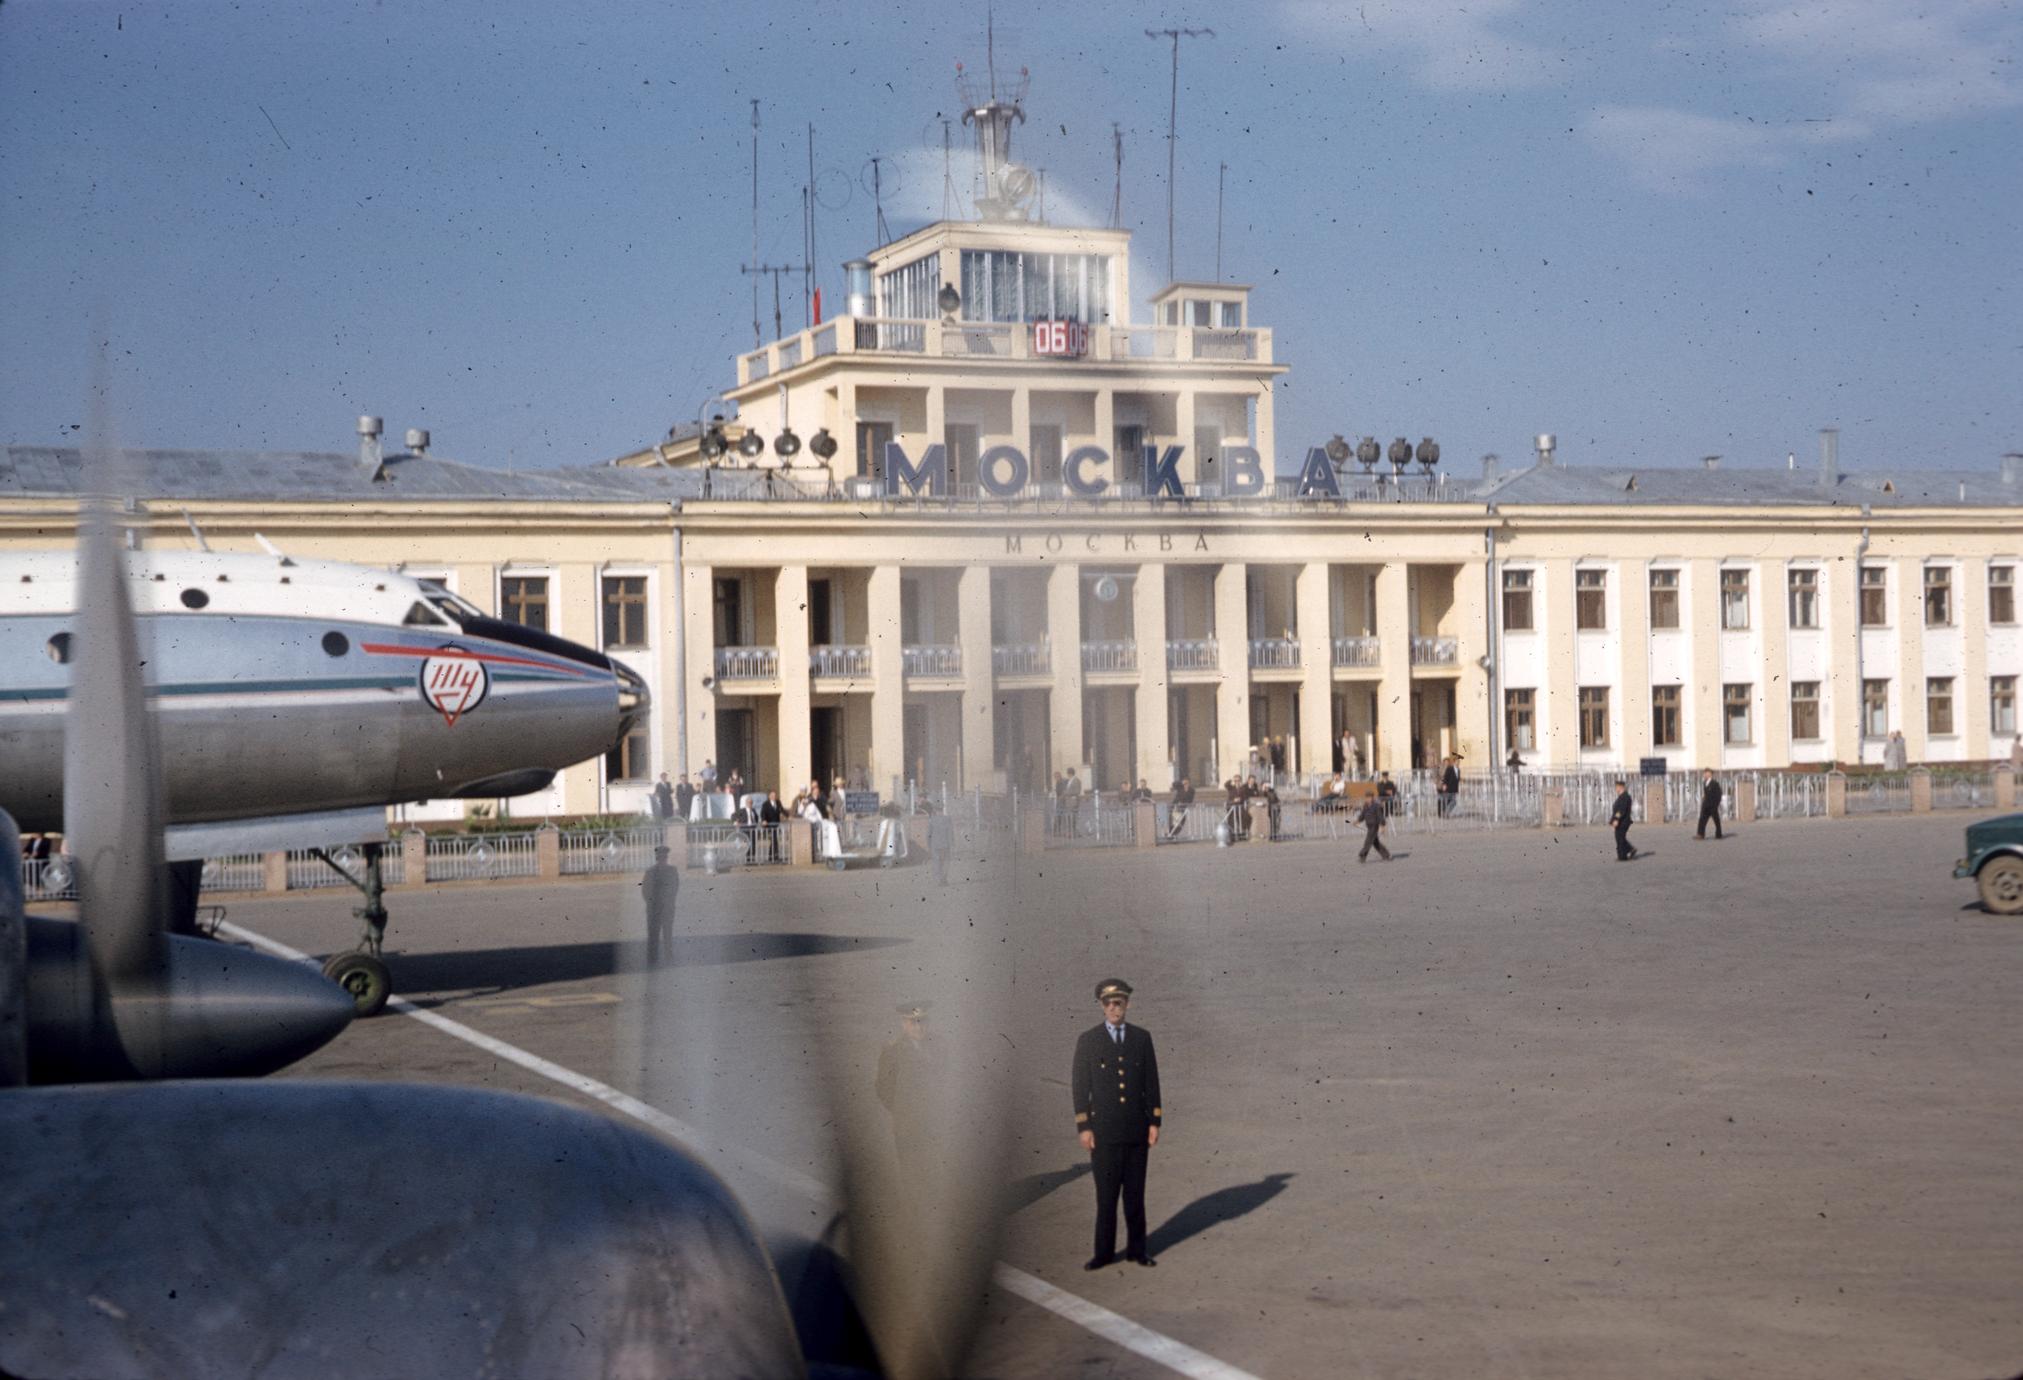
[1502, 1105]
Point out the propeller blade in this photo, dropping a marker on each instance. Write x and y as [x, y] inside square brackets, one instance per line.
[112, 819]
[923, 1179]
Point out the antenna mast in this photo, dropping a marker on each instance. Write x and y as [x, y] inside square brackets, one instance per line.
[1172, 128]
[1117, 196]
[1221, 172]
[808, 249]
[878, 200]
[757, 338]
[947, 176]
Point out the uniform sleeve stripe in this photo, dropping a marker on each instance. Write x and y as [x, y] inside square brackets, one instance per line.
[1081, 1117]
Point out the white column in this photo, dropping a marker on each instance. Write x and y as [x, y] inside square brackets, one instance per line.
[979, 699]
[1064, 630]
[1232, 691]
[888, 681]
[1148, 614]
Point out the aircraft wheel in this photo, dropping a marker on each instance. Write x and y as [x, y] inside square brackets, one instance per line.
[2001, 882]
[365, 977]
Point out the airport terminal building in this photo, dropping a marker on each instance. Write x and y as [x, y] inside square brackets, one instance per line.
[984, 527]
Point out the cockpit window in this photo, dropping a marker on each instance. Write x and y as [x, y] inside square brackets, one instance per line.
[449, 605]
[422, 616]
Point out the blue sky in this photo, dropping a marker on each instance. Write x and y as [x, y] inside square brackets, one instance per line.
[1660, 231]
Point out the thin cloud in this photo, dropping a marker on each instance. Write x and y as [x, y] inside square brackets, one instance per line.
[1458, 45]
[1872, 65]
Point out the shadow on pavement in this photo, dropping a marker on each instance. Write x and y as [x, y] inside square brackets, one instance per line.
[532, 965]
[1213, 1209]
[1033, 1187]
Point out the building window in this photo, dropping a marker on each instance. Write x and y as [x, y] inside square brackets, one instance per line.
[1735, 600]
[1735, 715]
[1664, 598]
[907, 293]
[1805, 598]
[1665, 717]
[625, 610]
[628, 761]
[1517, 601]
[2002, 704]
[525, 600]
[1008, 285]
[1875, 588]
[1938, 596]
[1594, 716]
[1805, 711]
[1939, 706]
[1590, 600]
[2002, 594]
[1517, 720]
[1875, 709]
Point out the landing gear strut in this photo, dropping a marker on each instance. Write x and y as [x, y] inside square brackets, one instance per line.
[359, 971]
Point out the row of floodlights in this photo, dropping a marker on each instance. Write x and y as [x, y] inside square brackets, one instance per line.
[751, 445]
[1368, 451]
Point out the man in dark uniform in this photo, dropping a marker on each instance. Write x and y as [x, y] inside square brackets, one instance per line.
[1710, 803]
[1372, 818]
[660, 886]
[1118, 1135]
[906, 1072]
[1619, 816]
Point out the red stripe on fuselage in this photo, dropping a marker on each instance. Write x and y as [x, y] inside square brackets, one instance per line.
[496, 658]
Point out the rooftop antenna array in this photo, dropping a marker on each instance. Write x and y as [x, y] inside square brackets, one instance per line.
[1173, 126]
[808, 289]
[1008, 188]
[878, 197]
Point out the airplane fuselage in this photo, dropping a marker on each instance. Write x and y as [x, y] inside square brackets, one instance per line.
[306, 686]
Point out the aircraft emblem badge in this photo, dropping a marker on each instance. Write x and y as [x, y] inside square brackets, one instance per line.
[453, 683]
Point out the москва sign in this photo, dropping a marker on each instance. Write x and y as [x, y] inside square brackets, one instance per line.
[1004, 472]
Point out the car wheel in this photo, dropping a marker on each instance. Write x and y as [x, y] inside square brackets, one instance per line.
[2001, 881]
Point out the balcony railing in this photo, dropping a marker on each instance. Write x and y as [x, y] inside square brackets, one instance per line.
[853, 663]
[1191, 654]
[1021, 659]
[747, 663]
[1274, 654]
[999, 340]
[1120, 655]
[932, 659]
[1435, 651]
[1355, 651]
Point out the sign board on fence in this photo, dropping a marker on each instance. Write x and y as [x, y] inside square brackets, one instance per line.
[860, 802]
[1651, 766]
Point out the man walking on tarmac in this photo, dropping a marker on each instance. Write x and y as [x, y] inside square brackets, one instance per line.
[661, 884]
[1372, 817]
[1619, 816]
[1710, 804]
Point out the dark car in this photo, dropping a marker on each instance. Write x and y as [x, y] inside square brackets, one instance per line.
[1995, 861]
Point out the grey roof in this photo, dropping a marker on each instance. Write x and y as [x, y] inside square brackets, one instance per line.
[1737, 487]
[283, 476]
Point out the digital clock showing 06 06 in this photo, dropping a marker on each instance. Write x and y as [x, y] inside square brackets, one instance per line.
[1070, 338]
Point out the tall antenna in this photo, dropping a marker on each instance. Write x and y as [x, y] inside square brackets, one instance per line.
[1172, 128]
[1221, 171]
[774, 271]
[878, 200]
[807, 253]
[757, 338]
[1117, 196]
[947, 176]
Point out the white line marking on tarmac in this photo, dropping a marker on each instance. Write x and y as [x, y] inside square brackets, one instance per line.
[1114, 1327]
[1153, 1346]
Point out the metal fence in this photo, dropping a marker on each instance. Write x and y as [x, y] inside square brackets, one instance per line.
[1788, 795]
[1091, 820]
[1196, 823]
[1963, 789]
[307, 872]
[718, 844]
[589, 851]
[240, 872]
[481, 857]
[1879, 793]
[48, 879]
